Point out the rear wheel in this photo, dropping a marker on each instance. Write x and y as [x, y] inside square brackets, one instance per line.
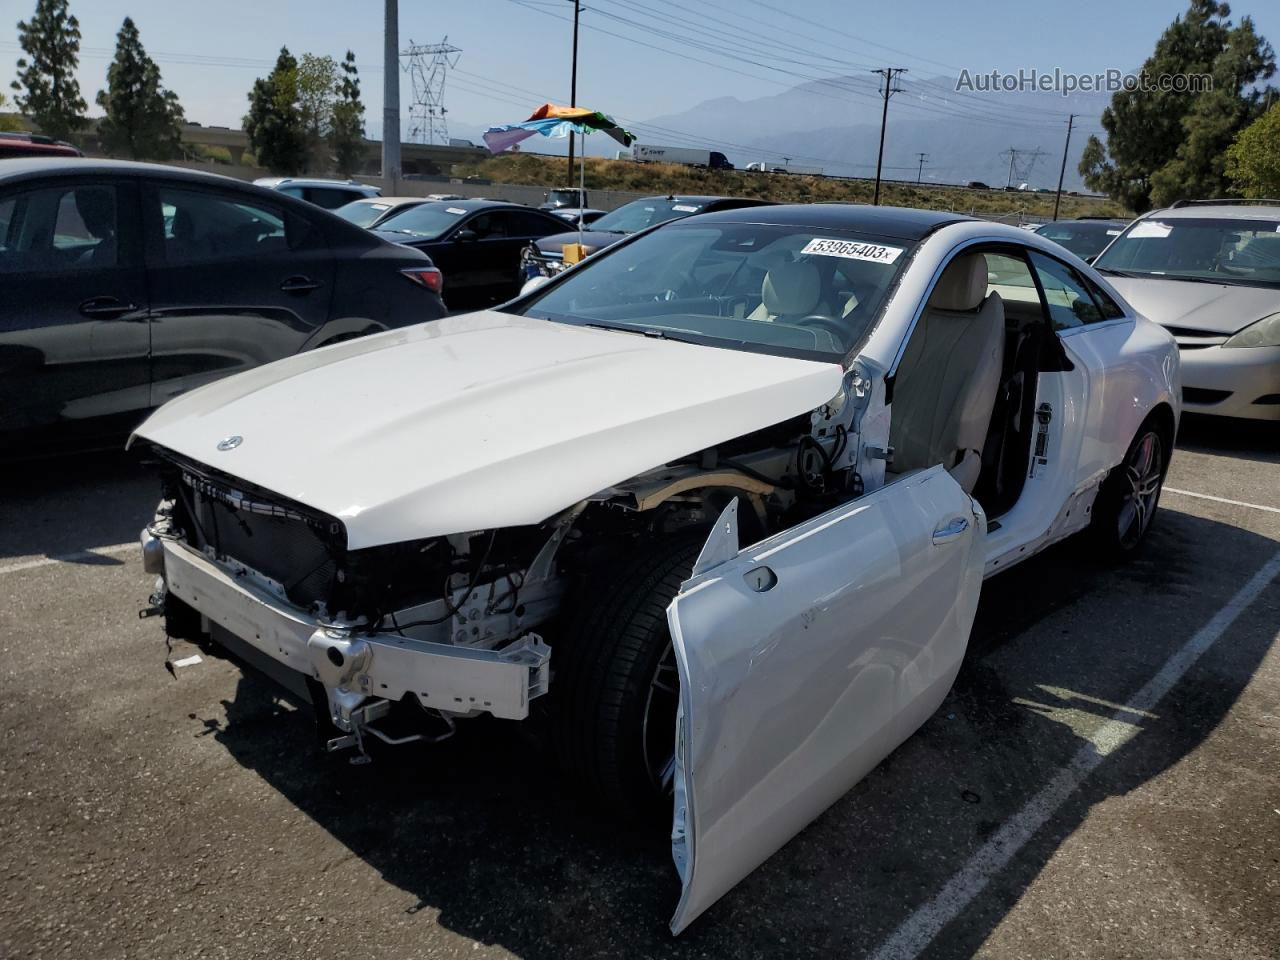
[1126, 504]
[619, 687]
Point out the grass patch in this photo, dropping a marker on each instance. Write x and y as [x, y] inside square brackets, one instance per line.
[662, 178]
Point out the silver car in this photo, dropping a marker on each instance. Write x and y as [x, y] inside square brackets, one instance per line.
[1209, 271]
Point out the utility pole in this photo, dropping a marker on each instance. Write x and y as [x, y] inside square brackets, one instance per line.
[1013, 155]
[888, 73]
[391, 95]
[573, 82]
[920, 170]
[1071, 117]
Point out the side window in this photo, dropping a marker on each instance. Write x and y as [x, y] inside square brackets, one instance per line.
[59, 228]
[329, 197]
[1069, 302]
[487, 226]
[1110, 309]
[201, 226]
[1009, 276]
[527, 225]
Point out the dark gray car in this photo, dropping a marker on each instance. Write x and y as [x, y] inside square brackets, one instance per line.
[126, 284]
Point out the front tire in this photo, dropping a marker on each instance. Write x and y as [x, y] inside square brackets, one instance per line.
[1126, 504]
[619, 687]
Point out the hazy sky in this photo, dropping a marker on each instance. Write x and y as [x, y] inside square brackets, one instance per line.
[515, 53]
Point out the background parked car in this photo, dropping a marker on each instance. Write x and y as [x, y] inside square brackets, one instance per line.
[1210, 272]
[545, 257]
[564, 197]
[34, 145]
[329, 194]
[368, 212]
[475, 243]
[127, 284]
[1086, 237]
[587, 215]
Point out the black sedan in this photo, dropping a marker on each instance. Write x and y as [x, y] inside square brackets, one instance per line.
[1086, 238]
[126, 284]
[475, 243]
[545, 257]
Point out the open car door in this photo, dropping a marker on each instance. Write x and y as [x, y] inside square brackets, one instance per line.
[804, 660]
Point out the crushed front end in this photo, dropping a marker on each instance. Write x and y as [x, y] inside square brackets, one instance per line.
[435, 629]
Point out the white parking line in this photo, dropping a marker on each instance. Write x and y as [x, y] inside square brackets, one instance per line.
[918, 930]
[79, 558]
[1234, 503]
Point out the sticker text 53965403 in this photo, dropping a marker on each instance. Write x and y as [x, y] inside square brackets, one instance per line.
[852, 250]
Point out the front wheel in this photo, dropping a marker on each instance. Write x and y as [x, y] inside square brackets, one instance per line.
[619, 687]
[1126, 504]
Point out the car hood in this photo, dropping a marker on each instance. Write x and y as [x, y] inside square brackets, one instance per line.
[593, 240]
[479, 420]
[1219, 308]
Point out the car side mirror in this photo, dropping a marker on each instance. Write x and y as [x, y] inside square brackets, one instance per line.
[464, 235]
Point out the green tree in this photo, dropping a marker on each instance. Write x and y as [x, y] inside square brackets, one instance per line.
[1165, 145]
[317, 92]
[1253, 161]
[274, 123]
[143, 120]
[346, 132]
[8, 121]
[47, 89]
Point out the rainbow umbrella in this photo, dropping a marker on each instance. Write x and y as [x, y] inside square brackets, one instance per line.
[552, 120]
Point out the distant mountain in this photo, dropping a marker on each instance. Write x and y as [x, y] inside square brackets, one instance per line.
[836, 124]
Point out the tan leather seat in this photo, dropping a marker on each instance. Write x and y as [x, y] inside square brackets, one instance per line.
[949, 375]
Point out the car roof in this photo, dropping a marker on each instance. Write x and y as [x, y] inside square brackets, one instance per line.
[24, 167]
[904, 223]
[391, 201]
[1232, 210]
[472, 204]
[311, 182]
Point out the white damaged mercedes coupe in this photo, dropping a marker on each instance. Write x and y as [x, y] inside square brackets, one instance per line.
[716, 504]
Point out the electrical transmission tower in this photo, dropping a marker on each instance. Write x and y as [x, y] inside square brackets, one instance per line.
[428, 65]
[1021, 173]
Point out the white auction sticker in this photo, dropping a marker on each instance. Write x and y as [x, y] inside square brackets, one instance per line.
[852, 250]
[454, 210]
[685, 208]
[1150, 230]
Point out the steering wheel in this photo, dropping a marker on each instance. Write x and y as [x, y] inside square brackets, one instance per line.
[830, 324]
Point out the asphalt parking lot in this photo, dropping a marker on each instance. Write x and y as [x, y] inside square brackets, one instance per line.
[1103, 781]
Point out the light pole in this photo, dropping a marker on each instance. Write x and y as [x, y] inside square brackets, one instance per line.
[573, 82]
[391, 95]
[1063, 172]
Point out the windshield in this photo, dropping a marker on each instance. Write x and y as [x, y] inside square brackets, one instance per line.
[1218, 251]
[361, 212]
[567, 197]
[639, 214]
[1083, 239]
[788, 290]
[427, 220]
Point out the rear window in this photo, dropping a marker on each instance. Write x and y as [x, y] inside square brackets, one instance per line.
[427, 221]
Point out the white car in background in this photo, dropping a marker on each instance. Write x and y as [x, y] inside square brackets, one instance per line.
[725, 495]
[1209, 271]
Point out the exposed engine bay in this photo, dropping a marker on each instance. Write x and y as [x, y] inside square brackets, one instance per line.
[488, 593]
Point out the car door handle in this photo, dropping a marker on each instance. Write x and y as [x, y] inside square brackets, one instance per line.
[953, 529]
[107, 308]
[299, 284]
